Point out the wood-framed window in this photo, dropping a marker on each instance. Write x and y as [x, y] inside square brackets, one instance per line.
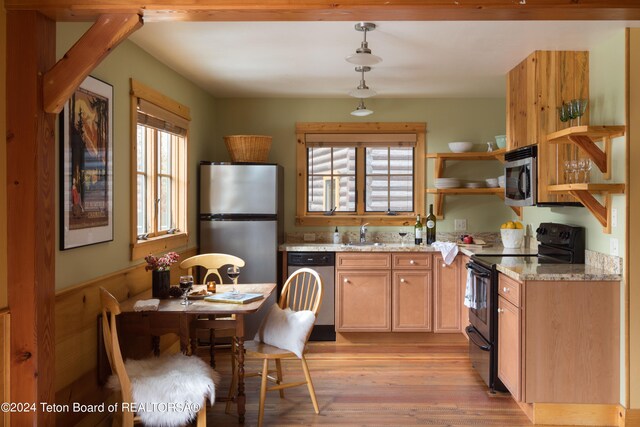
[352, 173]
[159, 184]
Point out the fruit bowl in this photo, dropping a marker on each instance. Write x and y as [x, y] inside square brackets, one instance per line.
[460, 147]
[512, 238]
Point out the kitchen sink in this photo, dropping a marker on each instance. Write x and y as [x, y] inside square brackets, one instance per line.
[364, 244]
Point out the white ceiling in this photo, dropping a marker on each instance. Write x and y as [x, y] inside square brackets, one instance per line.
[306, 59]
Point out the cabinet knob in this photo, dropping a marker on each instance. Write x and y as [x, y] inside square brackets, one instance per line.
[345, 280]
[402, 280]
[412, 262]
[506, 290]
[444, 265]
[500, 310]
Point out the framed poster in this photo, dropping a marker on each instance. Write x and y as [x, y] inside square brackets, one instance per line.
[86, 165]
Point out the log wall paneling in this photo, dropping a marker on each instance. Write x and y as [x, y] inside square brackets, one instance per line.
[76, 337]
[31, 219]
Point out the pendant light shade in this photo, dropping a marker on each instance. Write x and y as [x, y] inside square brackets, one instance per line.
[363, 55]
[361, 110]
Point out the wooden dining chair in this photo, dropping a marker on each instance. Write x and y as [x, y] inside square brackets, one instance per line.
[303, 290]
[212, 263]
[139, 380]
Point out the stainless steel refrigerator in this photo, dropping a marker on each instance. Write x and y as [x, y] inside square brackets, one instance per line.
[241, 213]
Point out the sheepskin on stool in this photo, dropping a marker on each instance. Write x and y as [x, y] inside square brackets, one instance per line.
[162, 386]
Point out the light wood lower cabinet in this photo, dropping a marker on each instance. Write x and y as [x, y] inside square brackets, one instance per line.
[411, 298]
[509, 347]
[447, 296]
[558, 341]
[363, 301]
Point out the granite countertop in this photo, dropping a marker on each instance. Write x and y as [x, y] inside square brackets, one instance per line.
[523, 268]
[495, 249]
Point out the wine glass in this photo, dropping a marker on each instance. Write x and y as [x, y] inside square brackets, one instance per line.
[233, 272]
[572, 109]
[575, 171]
[402, 233]
[580, 107]
[567, 172]
[186, 283]
[564, 112]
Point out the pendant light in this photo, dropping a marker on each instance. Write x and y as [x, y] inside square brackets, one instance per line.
[361, 110]
[363, 55]
[362, 91]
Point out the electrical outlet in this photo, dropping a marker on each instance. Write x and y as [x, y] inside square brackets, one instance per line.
[614, 217]
[460, 224]
[309, 237]
[613, 246]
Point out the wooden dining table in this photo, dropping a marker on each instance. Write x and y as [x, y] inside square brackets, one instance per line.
[172, 317]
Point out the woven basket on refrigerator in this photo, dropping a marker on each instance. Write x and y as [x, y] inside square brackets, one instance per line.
[248, 148]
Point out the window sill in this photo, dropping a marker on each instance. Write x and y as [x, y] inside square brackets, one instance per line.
[357, 220]
[142, 248]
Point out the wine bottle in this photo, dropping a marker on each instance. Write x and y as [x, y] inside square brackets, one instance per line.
[418, 230]
[431, 226]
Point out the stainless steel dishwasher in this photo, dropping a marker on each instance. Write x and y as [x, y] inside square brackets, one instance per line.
[324, 263]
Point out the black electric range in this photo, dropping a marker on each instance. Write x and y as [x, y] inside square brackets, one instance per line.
[557, 244]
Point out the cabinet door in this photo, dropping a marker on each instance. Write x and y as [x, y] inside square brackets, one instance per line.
[509, 347]
[363, 301]
[411, 296]
[447, 295]
[520, 92]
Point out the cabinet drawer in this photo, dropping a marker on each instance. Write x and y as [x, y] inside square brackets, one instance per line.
[509, 289]
[411, 261]
[364, 261]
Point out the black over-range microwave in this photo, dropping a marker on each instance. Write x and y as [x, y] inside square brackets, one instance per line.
[521, 178]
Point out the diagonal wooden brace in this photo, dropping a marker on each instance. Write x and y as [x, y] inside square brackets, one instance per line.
[598, 156]
[68, 73]
[600, 211]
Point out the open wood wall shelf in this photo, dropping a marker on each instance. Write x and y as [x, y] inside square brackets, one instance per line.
[585, 137]
[585, 192]
[439, 193]
[470, 155]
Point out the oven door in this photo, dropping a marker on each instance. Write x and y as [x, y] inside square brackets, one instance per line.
[479, 312]
[520, 182]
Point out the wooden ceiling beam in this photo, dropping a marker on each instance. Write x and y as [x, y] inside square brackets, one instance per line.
[329, 10]
[66, 75]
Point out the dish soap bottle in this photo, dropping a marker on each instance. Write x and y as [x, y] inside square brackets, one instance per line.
[336, 236]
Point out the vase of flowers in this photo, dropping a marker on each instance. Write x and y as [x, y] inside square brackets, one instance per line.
[160, 273]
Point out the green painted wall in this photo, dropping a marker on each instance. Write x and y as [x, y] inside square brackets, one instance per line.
[128, 60]
[474, 120]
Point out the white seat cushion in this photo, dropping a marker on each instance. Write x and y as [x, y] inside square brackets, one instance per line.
[169, 390]
[286, 329]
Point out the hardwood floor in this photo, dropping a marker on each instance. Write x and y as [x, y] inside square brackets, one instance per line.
[378, 386]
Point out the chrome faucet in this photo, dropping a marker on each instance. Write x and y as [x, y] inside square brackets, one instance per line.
[363, 233]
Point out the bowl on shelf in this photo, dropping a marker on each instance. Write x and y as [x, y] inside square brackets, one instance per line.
[460, 147]
[501, 141]
[492, 182]
[512, 238]
[501, 181]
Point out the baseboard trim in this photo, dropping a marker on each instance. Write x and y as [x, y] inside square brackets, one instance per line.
[575, 414]
[628, 417]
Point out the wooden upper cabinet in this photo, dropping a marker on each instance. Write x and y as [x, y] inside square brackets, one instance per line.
[535, 89]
